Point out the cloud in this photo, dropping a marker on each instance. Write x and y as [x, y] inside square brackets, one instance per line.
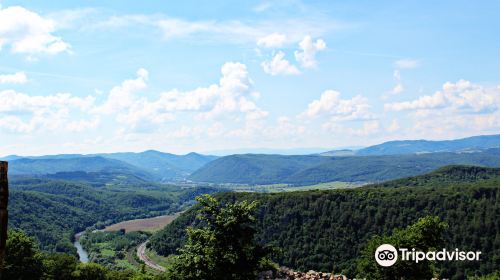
[274, 40]
[13, 101]
[24, 113]
[459, 106]
[123, 96]
[16, 78]
[331, 105]
[399, 65]
[279, 66]
[73, 18]
[307, 57]
[227, 31]
[461, 96]
[394, 126]
[232, 96]
[27, 32]
[406, 63]
[397, 89]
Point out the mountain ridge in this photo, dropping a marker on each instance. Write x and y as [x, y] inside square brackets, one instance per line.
[148, 165]
[274, 169]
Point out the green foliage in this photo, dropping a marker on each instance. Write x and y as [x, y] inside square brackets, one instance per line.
[224, 248]
[425, 235]
[307, 170]
[493, 276]
[59, 266]
[106, 248]
[53, 211]
[447, 176]
[326, 230]
[89, 271]
[23, 259]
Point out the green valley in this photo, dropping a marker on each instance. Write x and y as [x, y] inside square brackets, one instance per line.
[326, 230]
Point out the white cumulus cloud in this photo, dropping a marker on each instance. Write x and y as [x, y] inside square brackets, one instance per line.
[233, 95]
[16, 78]
[330, 104]
[459, 106]
[29, 33]
[462, 95]
[123, 96]
[20, 112]
[307, 56]
[274, 40]
[279, 66]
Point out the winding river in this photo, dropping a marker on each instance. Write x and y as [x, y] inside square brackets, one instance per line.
[82, 254]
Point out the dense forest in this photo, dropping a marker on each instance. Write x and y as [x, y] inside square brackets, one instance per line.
[326, 230]
[309, 170]
[52, 211]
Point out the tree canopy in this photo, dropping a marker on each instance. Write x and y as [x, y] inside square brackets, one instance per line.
[224, 248]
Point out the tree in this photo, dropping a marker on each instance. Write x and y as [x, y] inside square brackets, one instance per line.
[224, 248]
[89, 271]
[424, 235]
[23, 258]
[59, 266]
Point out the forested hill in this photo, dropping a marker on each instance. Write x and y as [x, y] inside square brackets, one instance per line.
[52, 211]
[27, 166]
[164, 166]
[304, 170]
[136, 167]
[468, 144]
[325, 230]
[446, 176]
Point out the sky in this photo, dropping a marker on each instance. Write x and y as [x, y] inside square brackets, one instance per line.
[204, 76]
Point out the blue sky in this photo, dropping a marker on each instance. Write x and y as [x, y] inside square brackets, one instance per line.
[106, 76]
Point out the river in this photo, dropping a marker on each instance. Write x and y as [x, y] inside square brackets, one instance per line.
[82, 254]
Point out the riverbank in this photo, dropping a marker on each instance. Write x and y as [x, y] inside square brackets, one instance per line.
[82, 254]
[104, 242]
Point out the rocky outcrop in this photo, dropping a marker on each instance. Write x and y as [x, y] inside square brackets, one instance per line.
[288, 274]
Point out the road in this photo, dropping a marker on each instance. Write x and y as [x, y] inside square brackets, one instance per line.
[141, 253]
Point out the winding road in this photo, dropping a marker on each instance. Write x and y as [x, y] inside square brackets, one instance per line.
[141, 254]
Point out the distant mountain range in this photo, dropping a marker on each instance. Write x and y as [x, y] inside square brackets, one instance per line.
[469, 144]
[145, 166]
[389, 160]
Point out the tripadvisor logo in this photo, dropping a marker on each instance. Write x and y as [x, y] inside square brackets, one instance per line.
[386, 255]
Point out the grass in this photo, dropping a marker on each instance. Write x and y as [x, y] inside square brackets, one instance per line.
[107, 252]
[160, 260]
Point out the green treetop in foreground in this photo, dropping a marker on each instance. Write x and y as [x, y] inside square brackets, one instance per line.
[224, 248]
